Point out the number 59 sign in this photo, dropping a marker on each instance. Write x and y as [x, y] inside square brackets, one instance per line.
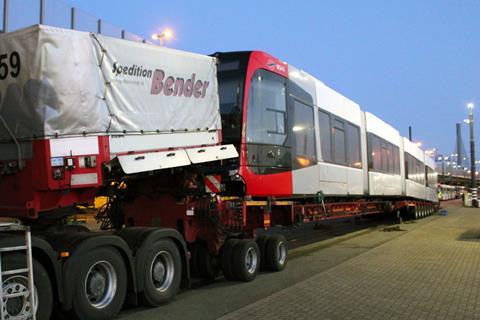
[9, 65]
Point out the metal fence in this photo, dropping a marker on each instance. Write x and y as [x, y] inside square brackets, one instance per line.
[19, 14]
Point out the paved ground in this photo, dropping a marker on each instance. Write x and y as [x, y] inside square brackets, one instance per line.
[430, 272]
[423, 270]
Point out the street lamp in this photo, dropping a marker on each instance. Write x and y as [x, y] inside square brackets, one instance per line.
[472, 156]
[166, 34]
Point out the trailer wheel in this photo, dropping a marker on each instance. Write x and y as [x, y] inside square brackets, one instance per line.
[262, 246]
[227, 258]
[163, 273]
[246, 260]
[276, 253]
[20, 306]
[100, 284]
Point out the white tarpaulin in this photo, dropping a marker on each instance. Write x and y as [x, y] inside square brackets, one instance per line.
[62, 82]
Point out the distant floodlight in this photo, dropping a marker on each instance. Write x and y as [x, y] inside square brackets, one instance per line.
[166, 34]
[470, 105]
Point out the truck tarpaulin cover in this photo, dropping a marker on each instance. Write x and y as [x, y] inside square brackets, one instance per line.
[62, 82]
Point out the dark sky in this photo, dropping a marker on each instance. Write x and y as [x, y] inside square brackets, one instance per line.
[410, 62]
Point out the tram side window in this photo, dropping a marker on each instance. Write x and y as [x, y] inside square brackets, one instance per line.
[339, 141]
[325, 135]
[375, 163]
[266, 109]
[411, 167]
[416, 169]
[396, 160]
[383, 156]
[391, 166]
[339, 154]
[421, 172]
[304, 131]
[353, 148]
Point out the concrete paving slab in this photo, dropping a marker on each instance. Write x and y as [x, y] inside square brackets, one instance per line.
[431, 271]
[223, 297]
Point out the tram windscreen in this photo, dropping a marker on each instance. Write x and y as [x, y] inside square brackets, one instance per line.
[230, 91]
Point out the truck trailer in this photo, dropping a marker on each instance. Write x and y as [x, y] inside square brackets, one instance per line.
[194, 153]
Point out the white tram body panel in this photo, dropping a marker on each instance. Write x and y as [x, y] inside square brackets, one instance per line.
[382, 183]
[335, 179]
[415, 177]
[304, 180]
[431, 187]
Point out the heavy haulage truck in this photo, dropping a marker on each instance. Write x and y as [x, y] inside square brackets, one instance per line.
[195, 155]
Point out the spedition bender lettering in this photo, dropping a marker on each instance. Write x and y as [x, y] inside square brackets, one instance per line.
[132, 70]
[169, 86]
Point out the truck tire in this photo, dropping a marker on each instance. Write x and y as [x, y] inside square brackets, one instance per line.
[276, 253]
[262, 246]
[162, 273]
[227, 257]
[18, 306]
[100, 284]
[246, 260]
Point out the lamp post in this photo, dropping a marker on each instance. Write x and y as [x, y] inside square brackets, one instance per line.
[166, 34]
[472, 156]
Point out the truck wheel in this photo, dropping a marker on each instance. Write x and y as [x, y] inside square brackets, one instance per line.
[100, 284]
[276, 253]
[246, 260]
[262, 246]
[19, 307]
[162, 273]
[227, 257]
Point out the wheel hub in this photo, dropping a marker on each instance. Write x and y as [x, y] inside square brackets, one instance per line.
[162, 271]
[251, 260]
[158, 271]
[98, 284]
[101, 284]
[16, 298]
[281, 253]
